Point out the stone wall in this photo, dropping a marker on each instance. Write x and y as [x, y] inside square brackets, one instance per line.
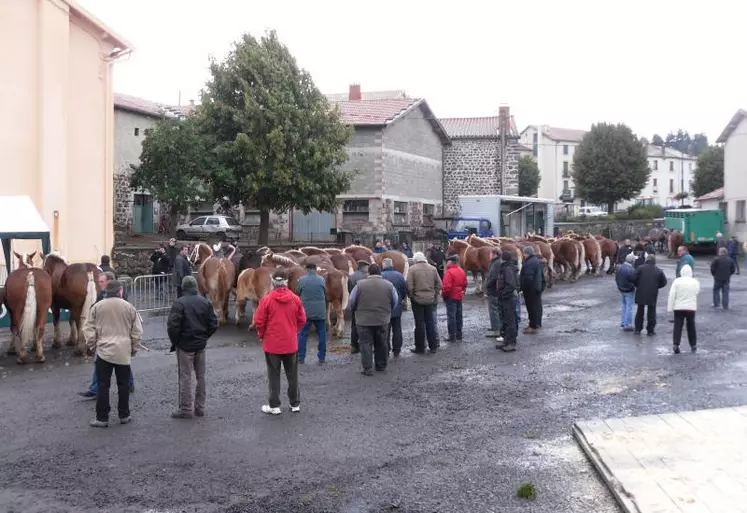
[471, 166]
[617, 230]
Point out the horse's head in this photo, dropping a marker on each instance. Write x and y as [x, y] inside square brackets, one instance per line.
[200, 252]
[25, 260]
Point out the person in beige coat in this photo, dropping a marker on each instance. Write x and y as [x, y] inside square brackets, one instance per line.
[113, 331]
[424, 286]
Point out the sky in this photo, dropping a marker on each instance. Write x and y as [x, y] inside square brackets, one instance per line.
[656, 65]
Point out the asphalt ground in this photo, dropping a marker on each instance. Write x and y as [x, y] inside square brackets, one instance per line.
[458, 431]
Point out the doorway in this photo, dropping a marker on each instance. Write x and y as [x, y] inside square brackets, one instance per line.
[142, 214]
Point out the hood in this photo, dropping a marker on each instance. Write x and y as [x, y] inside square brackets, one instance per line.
[282, 295]
[686, 271]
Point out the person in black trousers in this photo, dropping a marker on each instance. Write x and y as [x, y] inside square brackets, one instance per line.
[648, 279]
[360, 274]
[182, 268]
[507, 286]
[531, 281]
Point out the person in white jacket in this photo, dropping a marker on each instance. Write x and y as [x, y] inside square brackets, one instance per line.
[683, 301]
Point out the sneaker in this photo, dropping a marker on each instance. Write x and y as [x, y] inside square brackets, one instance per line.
[367, 372]
[270, 411]
[98, 423]
[650, 333]
[500, 345]
[499, 339]
[126, 420]
[295, 409]
[676, 349]
[179, 414]
[87, 394]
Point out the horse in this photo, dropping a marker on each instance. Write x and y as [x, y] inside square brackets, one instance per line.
[592, 254]
[311, 250]
[273, 260]
[400, 262]
[609, 251]
[337, 294]
[253, 285]
[568, 257]
[215, 278]
[25, 261]
[74, 289]
[675, 241]
[472, 259]
[545, 251]
[360, 253]
[28, 297]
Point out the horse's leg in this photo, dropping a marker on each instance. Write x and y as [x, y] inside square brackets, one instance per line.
[12, 347]
[329, 316]
[225, 309]
[254, 309]
[20, 347]
[240, 307]
[56, 322]
[340, 325]
[73, 338]
[39, 338]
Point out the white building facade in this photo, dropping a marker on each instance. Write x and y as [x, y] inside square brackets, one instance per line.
[734, 205]
[671, 174]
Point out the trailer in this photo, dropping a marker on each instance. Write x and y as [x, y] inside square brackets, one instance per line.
[511, 216]
[698, 226]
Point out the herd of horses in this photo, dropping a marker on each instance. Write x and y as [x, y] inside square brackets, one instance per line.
[41, 283]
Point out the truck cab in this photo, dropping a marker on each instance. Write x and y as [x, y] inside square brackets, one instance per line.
[463, 227]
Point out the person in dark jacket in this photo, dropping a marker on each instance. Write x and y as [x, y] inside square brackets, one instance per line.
[648, 279]
[182, 269]
[530, 281]
[733, 248]
[313, 292]
[494, 300]
[624, 280]
[191, 323]
[373, 299]
[454, 287]
[405, 249]
[394, 332]
[722, 268]
[507, 286]
[436, 257]
[624, 251]
[360, 274]
[161, 266]
[106, 265]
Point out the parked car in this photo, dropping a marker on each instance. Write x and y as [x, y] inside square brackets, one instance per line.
[591, 211]
[222, 228]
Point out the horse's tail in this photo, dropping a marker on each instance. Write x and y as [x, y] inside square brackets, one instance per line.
[224, 287]
[581, 256]
[345, 294]
[28, 320]
[600, 257]
[407, 267]
[89, 301]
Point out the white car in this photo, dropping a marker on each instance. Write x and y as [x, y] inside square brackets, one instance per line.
[591, 212]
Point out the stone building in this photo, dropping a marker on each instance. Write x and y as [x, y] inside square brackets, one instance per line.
[473, 163]
[135, 211]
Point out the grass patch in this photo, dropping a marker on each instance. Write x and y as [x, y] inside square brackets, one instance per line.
[527, 491]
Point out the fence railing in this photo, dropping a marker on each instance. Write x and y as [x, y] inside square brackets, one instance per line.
[3, 274]
[153, 293]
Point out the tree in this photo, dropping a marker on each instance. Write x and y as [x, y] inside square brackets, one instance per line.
[174, 160]
[610, 165]
[279, 144]
[681, 197]
[529, 176]
[700, 144]
[709, 173]
[656, 140]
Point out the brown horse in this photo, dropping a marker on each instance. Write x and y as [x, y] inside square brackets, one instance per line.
[609, 251]
[74, 289]
[25, 260]
[545, 251]
[675, 241]
[568, 257]
[472, 259]
[273, 260]
[337, 296]
[311, 250]
[400, 262]
[215, 278]
[593, 253]
[360, 253]
[295, 254]
[28, 297]
[253, 285]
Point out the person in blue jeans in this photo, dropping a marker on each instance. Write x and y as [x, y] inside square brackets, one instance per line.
[624, 280]
[313, 292]
[102, 281]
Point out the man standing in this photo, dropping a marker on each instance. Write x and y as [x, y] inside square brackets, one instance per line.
[733, 247]
[358, 275]
[373, 299]
[182, 268]
[685, 258]
[530, 279]
[423, 287]
[394, 333]
[494, 299]
[507, 288]
[648, 279]
[722, 268]
[405, 249]
[313, 292]
[624, 280]
[191, 323]
[454, 286]
[113, 331]
[624, 251]
[720, 242]
[161, 266]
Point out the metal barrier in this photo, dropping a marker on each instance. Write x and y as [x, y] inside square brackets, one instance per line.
[153, 293]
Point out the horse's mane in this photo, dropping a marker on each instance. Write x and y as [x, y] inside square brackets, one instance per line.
[54, 255]
[356, 247]
[277, 258]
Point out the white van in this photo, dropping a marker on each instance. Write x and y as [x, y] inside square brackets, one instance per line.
[591, 212]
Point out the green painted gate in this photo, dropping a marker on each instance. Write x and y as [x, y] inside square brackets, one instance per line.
[142, 214]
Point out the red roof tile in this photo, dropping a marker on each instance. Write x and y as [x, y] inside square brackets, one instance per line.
[149, 108]
[373, 112]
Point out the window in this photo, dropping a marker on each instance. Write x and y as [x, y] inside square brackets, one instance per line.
[429, 210]
[534, 144]
[565, 149]
[137, 131]
[741, 214]
[232, 222]
[213, 221]
[355, 211]
[671, 186]
[566, 174]
[655, 183]
[198, 222]
[656, 165]
[565, 185]
[671, 165]
[724, 206]
[400, 213]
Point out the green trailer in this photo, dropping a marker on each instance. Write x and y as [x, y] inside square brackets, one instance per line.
[698, 226]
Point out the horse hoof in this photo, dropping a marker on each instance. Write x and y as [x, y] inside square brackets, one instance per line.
[39, 359]
[22, 361]
[56, 344]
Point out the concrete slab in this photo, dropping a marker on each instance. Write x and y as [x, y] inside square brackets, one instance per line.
[692, 461]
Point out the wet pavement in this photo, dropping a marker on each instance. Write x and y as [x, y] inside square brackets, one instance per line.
[457, 431]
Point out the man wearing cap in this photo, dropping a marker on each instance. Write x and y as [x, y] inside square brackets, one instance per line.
[191, 323]
[454, 286]
[531, 280]
[373, 300]
[507, 285]
[494, 300]
[360, 274]
[423, 287]
[313, 292]
[394, 333]
[113, 331]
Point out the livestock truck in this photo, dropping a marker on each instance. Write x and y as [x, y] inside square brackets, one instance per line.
[698, 226]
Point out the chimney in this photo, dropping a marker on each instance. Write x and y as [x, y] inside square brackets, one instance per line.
[355, 92]
[663, 148]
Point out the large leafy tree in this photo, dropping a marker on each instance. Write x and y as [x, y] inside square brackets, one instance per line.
[173, 163]
[610, 165]
[709, 173]
[279, 144]
[529, 176]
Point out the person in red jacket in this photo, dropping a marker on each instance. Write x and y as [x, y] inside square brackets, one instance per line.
[454, 286]
[278, 318]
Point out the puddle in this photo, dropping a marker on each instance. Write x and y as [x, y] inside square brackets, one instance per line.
[561, 308]
[587, 303]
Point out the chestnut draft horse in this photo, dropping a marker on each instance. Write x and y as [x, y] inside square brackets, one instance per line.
[253, 284]
[472, 259]
[675, 241]
[543, 245]
[28, 297]
[215, 278]
[74, 289]
[568, 257]
[360, 253]
[609, 251]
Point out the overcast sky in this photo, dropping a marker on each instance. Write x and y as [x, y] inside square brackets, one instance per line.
[656, 65]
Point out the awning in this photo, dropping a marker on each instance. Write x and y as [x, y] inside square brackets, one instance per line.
[19, 219]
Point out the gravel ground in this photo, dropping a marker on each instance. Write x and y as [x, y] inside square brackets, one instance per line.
[457, 431]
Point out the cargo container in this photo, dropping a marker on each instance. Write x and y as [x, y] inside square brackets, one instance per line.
[698, 226]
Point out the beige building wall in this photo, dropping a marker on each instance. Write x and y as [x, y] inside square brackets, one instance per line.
[56, 120]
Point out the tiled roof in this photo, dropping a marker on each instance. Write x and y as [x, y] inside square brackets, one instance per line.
[733, 124]
[373, 112]
[471, 127]
[149, 108]
[564, 134]
[667, 153]
[369, 95]
[717, 194]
